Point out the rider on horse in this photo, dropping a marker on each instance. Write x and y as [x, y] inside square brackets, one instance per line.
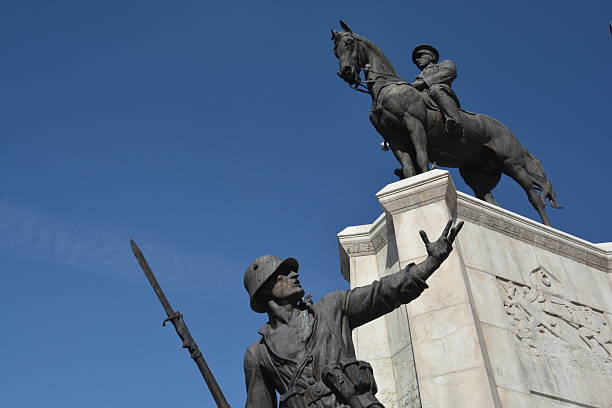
[435, 80]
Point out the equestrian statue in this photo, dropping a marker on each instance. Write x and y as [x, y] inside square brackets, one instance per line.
[422, 122]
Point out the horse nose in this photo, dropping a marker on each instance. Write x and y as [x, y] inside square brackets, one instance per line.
[346, 69]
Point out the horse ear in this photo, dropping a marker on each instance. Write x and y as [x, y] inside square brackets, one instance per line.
[334, 33]
[345, 26]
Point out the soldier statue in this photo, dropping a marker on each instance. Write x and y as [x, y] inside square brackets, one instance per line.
[306, 352]
[435, 81]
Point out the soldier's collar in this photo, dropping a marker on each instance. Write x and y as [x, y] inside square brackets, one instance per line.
[305, 304]
[265, 329]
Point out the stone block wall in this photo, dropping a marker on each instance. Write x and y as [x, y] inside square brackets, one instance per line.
[518, 316]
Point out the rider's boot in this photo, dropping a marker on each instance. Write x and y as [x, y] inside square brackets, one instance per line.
[450, 111]
[455, 128]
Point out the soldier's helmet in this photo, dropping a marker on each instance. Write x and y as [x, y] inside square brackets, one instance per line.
[260, 271]
[425, 47]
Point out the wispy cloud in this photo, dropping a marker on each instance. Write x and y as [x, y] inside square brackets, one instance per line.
[25, 233]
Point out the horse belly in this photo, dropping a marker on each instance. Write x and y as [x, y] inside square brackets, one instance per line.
[448, 151]
[439, 147]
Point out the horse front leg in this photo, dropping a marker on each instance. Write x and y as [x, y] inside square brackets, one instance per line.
[418, 136]
[407, 169]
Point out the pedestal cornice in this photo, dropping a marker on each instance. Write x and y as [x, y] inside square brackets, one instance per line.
[418, 191]
[532, 232]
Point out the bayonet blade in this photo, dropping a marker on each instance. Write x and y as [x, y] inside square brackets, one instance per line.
[151, 278]
[181, 329]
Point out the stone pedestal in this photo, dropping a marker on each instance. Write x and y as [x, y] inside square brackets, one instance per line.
[518, 316]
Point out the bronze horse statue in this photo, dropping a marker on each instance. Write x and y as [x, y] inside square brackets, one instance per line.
[414, 129]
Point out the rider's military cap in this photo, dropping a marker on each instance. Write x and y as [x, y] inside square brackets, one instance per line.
[425, 47]
[260, 271]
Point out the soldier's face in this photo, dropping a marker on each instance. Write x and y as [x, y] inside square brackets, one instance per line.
[286, 288]
[424, 59]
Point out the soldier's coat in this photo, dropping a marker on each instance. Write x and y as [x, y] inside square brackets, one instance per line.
[329, 324]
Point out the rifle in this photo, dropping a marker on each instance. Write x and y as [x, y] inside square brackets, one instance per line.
[176, 318]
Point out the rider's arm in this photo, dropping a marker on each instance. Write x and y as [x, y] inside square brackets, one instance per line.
[419, 84]
[446, 74]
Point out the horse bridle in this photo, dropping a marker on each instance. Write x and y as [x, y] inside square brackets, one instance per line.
[354, 57]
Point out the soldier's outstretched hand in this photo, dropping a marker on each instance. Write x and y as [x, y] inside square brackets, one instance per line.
[441, 248]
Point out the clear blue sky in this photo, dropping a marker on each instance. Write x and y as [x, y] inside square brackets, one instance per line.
[215, 132]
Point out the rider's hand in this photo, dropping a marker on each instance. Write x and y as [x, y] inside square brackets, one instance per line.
[441, 248]
[419, 84]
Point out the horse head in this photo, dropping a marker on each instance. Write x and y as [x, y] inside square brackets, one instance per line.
[350, 54]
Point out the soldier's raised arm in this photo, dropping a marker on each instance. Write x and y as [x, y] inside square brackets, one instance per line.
[366, 303]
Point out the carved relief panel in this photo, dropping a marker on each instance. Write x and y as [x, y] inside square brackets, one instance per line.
[546, 323]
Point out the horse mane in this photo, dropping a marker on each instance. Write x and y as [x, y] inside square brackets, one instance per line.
[374, 49]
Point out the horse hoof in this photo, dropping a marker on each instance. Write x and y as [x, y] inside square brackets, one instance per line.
[399, 173]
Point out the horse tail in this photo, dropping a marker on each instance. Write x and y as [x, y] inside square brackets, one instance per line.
[534, 168]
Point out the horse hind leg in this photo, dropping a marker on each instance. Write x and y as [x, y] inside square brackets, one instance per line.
[520, 175]
[481, 181]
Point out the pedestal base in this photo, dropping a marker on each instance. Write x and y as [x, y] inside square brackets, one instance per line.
[518, 316]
